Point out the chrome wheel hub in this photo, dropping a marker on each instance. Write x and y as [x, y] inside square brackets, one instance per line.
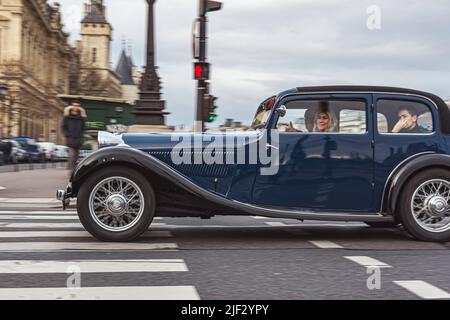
[116, 204]
[436, 205]
[430, 205]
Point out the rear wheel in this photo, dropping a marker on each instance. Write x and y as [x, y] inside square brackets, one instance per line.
[424, 206]
[116, 204]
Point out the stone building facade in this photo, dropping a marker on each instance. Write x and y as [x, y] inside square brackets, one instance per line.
[96, 75]
[35, 63]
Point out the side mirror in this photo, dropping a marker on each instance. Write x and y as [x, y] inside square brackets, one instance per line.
[281, 110]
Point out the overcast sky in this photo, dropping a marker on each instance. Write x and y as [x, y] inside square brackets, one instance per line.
[260, 47]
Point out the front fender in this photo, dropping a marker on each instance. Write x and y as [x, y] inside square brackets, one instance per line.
[134, 158]
[406, 171]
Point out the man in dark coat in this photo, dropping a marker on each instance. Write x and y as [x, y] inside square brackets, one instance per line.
[73, 128]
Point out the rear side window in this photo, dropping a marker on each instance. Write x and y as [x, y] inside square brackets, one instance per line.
[403, 117]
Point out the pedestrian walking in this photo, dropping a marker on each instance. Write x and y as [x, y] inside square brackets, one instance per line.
[73, 128]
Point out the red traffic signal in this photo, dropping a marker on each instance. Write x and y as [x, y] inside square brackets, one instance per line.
[201, 71]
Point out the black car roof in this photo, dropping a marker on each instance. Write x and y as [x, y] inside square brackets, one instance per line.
[443, 109]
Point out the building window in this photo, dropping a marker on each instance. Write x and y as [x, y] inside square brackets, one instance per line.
[94, 55]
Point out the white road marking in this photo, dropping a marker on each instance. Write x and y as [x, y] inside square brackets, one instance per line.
[61, 225]
[67, 212]
[368, 261]
[83, 246]
[102, 293]
[71, 234]
[40, 214]
[260, 217]
[93, 266]
[324, 244]
[36, 217]
[30, 200]
[423, 289]
[2, 188]
[276, 224]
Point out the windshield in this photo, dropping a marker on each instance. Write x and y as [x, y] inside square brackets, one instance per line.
[263, 113]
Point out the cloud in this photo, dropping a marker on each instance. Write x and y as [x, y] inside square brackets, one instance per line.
[260, 47]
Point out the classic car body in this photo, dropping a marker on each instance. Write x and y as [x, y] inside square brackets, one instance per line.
[361, 172]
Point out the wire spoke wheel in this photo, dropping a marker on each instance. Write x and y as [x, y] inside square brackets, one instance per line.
[116, 204]
[430, 205]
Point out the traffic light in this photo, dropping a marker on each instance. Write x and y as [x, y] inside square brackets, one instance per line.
[201, 70]
[209, 108]
[210, 6]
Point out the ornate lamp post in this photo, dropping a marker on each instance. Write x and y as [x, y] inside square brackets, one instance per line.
[149, 108]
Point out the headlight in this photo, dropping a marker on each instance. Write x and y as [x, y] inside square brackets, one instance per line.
[109, 139]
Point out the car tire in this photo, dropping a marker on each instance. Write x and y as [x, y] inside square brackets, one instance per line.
[109, 230]
[429, 206]
[381, 224]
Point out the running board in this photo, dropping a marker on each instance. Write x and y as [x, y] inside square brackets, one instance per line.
[312, 215]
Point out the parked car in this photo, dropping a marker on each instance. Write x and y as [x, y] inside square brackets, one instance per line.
[49, 150]
[379, 155]
[61, 152]
[19, 154]
[2, 151]
[32, 149]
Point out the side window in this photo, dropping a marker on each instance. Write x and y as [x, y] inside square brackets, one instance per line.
[403, 117]
[339, 116]
[382, 123]
[353, 121]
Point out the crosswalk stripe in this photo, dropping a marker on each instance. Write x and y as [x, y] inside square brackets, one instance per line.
[30, 200]
[367, 261]
[83, 246]
[324, 244]
[36, 217]
[93, 266]
[106, 293]
[423, 289]
[45, 224]
[260, 217]
[71, 234]
[38, 212]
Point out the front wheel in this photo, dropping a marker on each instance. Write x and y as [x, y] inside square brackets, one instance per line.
[424, 206]
[116, 204]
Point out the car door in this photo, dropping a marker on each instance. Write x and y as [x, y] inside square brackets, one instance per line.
[323, 170]
[394, 148]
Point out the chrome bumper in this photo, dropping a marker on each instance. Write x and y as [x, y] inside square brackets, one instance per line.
[64, 197]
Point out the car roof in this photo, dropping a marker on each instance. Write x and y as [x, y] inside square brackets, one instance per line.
[443, 109]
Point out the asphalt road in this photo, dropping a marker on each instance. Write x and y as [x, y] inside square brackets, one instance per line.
[221, 258]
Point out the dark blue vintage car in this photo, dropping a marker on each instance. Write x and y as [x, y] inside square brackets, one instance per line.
[344, 153]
